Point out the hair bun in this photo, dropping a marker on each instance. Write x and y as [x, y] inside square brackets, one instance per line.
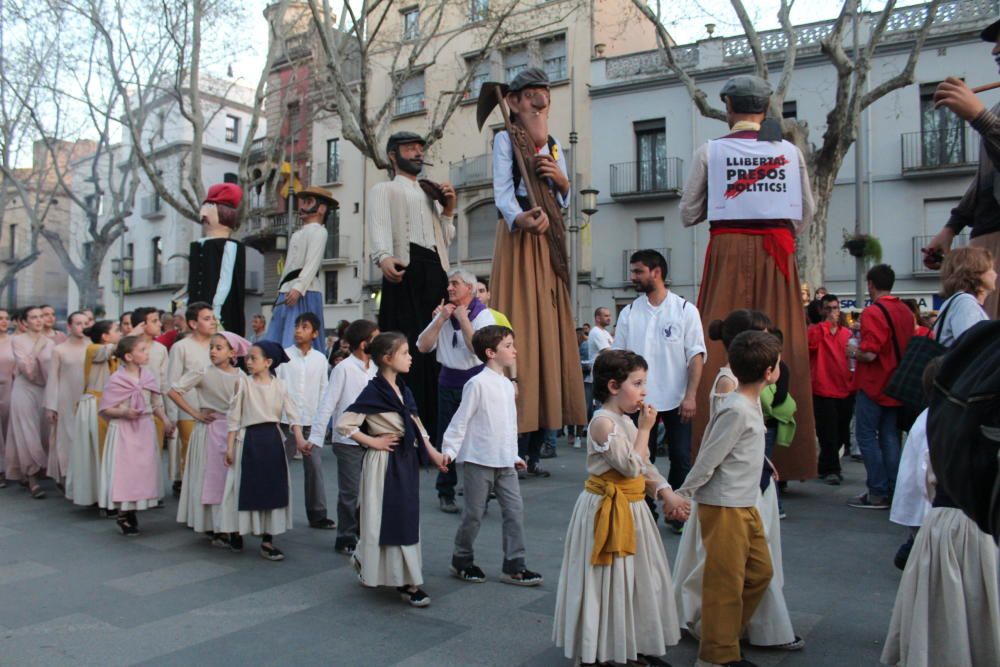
[715, 330]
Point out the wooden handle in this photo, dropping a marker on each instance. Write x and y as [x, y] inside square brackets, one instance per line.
[984, 88]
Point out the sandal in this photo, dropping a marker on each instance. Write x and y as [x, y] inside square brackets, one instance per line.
[471, 573]
[523, 577]
[271, 553]
[416, 598]
[128, 530]
[37, 492]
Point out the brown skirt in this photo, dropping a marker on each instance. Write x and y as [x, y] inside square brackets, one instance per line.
[991, 242]
[739, 274]
[525, 289]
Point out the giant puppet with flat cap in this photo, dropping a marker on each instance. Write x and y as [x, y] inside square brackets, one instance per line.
[299, 290]
[979, 209]
[753, 189]
[411, 223]
[530, 281]
[217, 262]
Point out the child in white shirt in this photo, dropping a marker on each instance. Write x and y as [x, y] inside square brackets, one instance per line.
[482, 436]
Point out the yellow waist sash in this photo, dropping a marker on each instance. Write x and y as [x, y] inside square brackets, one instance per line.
[102, 424]
[614, 530]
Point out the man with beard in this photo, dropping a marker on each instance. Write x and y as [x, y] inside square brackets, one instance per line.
[217, 263]
[530, 280]
[299, 290]
[410, 233]
[666, 330]
[979, 209]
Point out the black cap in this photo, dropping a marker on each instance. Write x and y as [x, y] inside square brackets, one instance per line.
[991, 32]
[400, 138]
[531, 77]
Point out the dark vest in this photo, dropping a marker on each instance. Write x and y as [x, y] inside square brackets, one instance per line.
[205, 265]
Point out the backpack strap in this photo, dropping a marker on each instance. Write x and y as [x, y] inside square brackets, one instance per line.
[939, 325]
[892, 328]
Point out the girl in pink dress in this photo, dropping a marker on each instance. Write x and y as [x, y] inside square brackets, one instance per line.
[130, 469]
[6, 383]
[26, 456]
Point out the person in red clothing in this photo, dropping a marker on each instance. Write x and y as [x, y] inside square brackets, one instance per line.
[832, 387]
[886, 328]
[169, 336]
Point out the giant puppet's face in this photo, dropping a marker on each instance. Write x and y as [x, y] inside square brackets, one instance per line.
[532, 108]
[210, 224]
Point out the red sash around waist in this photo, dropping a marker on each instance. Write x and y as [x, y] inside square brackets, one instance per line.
[779, 243]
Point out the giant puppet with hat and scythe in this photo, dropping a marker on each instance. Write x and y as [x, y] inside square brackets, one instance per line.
[753, 189]
[299, 289]
[530, 281]
[217, 262]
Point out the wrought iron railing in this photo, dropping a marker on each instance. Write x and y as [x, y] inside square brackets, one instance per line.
[938, 149]
[476, 170]
[409, 103]
[647, 177]
[921, 242]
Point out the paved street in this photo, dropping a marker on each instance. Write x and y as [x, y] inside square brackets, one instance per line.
[74, 592]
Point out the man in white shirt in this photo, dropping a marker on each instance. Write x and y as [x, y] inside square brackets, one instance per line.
[347, 380]
[450, 333]
[299, 290]
[666, 330]
[305, 379]
[598, 340]
[409, 231]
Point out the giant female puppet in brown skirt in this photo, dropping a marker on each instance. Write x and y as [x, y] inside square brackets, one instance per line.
[753, 188]
[530, 281]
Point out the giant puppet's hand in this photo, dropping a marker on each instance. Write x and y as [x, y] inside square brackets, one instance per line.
[547, 167]
[954, 94]
[535, 221]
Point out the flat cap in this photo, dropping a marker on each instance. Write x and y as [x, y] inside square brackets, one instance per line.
[991, 32]
[746, 85]
[400, 138]
[322, 194]
[532, 77]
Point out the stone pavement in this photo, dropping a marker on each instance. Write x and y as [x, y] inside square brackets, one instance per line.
[75, 592]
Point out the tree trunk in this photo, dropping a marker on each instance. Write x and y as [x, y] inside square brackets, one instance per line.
[812, 244]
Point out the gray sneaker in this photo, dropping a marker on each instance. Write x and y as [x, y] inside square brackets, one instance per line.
[869, 502]
[448, 505]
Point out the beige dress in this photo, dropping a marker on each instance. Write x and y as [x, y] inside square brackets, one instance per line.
[378, 565]
[770, 624]
[84, 474]
[27, 455]
[62, 391]
[215, 389]
[614, 612]
[6, 384]
[185, 356]
[255, 403]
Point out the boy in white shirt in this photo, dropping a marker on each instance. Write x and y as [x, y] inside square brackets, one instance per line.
[482, 436]
[305, 378]
[347, 380]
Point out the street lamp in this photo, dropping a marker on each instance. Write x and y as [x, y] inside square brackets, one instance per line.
[588, 201]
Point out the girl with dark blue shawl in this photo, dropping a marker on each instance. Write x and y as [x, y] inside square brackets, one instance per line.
[384, 420]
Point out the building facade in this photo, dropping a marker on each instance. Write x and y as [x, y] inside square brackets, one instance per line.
[919, 159]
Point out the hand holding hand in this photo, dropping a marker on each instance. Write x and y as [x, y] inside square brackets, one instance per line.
[392, 269]
[385, 442]
[688, 409]
[439, 460]
[304, 446]
[954, 94]
[647, 417]
[675, 507]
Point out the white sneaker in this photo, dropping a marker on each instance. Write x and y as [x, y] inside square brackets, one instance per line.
[577, 443]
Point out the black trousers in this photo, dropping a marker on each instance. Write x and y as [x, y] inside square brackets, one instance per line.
[407, 307]
[833, 429]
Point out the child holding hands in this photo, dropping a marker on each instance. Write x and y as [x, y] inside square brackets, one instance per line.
[616, 600]
[482, 436]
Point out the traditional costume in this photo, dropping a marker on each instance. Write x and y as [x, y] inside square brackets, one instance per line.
[89, 429]
[302, 263]
[185, 356]
[217, 263]
[64, 388]
[615, 598]
[754, 190]
[406, 223]
[257, 496]
[7, 370]
[26, 452]
[530, 280]
[130, 467]
[205, 468]
[388, 551]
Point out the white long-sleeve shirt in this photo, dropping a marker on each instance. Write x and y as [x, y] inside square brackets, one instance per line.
[304, 376]
[400, 213]
[305, 252]
[503, 177]
[484, 428]
[347, 380]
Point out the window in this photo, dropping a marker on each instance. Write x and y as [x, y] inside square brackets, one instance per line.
[410, 98]
[330, 281]
[94, 203]
[479, 77]
[514, 62]
[232, 129]
[942, 133]
[13, 242]
[333, 248]
[411, 23]
[332, 160]
[161, 123]
[651, 151]
[790, 110]
[554, 58]
[156, 261]
[482, 223]
[478, 10]
[130, 253]
[88, 251]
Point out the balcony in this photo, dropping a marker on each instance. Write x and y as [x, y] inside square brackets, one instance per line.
[326, 173]
[471, 172]
[337, 250]
[259, 231]
[151, 207]
[953, 150]
[166, 277]
[647, 179]
[627, 267]
[410, 104]
[920, 242]
[259, 149]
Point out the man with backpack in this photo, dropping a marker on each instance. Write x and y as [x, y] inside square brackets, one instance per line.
[886, 328]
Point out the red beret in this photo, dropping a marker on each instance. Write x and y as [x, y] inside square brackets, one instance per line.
[228, 194]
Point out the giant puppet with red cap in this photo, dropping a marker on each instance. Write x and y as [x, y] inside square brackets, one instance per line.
[217, 262]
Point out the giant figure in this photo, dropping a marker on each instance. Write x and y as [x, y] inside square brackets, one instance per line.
[217, 263]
